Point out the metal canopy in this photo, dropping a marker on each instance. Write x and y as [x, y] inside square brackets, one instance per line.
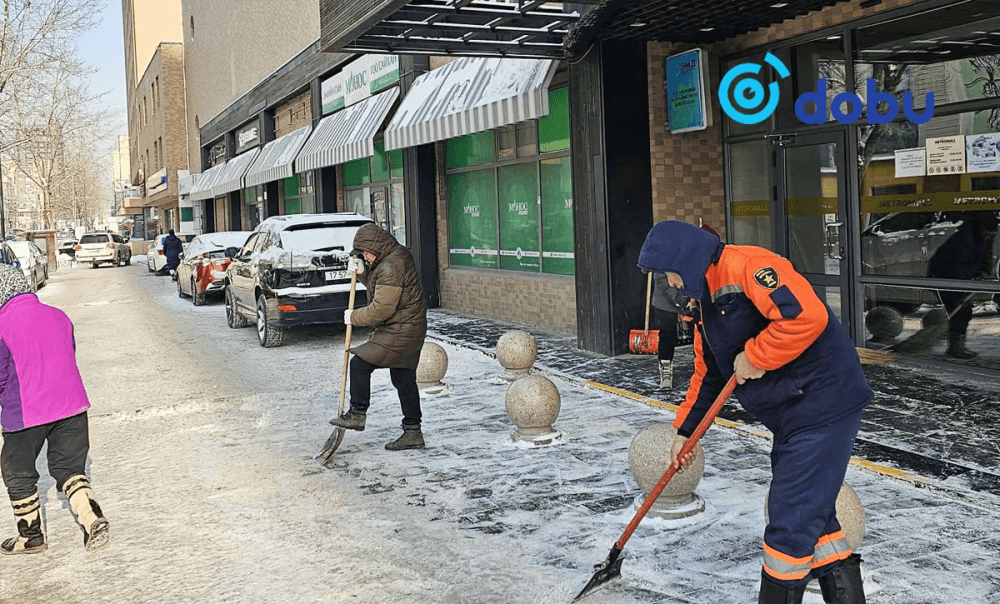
[231, 178]
[275, 159]
[522, 28]
[348, 134]
[682, 21]
[202, 188]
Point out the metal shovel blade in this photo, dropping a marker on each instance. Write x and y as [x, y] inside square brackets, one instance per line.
[605, 572]
[331, 444]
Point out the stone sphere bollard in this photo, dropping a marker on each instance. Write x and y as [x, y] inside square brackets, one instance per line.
[851, 515]
[432, 367]
[933, 317]
[533, 404]
[649, 458]
[516, 352]
[884, 323]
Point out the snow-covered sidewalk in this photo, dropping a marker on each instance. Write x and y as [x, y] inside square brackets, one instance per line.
[202, 448]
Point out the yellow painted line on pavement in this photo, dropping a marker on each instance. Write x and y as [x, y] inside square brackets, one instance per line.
[857, 461]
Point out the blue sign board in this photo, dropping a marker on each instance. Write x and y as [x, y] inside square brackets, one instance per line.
[685, 83]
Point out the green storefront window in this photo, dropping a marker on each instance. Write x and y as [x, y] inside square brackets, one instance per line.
[553, 129]
[396, 163]
[557, 217]
[291, 185]
[380, 164]
[472, 219]
[187, 214]
[470, 150]
[357, 172]
[519, 218]
[293, 206]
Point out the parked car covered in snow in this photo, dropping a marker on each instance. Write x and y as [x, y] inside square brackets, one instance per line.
[98, 248]
[293, 271]
[155, 258]
[203, 270]
[34, 264]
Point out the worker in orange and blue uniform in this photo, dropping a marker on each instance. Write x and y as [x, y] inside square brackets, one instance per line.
[797, 372]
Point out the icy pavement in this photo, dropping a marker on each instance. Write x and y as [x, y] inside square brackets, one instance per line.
[202, 447]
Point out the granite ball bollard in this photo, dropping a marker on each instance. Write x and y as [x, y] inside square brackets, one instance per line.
[934, 317]
[533, 404]
[516, 352]
[432, 367]
[884, 323]
[649, 458]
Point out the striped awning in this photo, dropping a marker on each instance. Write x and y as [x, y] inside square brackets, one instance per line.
[275, 159]
[231, 178]
[471, 95]
[202, 188]
[348, 134]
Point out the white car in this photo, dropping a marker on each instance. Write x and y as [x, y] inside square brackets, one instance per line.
[155, 258]
[34, 264]
[97, 248]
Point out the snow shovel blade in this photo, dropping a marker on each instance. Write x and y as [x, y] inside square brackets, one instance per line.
[605, 572]
[331, 444]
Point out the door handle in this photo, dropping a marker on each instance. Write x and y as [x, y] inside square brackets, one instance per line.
[834, 249]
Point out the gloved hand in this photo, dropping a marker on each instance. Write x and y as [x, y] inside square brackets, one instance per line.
[347, 317]
[356, 265]
[745, 370]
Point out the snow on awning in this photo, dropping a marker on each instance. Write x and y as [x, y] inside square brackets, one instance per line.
[275, 159]
[471, 95]
[348, 134]
[231, 178]
[202, 188]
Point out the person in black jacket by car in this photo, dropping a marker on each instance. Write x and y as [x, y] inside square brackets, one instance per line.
[172, 249]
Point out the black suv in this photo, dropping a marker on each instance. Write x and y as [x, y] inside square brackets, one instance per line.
[292, 271]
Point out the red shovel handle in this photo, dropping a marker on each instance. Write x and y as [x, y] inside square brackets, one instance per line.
[689, 446]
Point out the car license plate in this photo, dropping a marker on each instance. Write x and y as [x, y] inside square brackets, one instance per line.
[336, 275]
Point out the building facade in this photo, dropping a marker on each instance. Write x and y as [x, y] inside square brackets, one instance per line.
[893, 220]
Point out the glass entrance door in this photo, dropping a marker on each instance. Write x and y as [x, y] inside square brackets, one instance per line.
[810, 214]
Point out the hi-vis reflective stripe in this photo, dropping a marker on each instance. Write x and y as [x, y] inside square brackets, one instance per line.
[784, 567]
[830, 548]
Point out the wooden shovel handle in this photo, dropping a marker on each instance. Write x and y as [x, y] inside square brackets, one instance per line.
[347, 343]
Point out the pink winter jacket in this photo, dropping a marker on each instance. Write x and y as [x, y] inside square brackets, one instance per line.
[39, 380]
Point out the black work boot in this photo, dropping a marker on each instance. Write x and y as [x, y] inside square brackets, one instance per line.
[30, 538]
[957, 349]
[775, 593]
[412, 438]
[843, 585]
[352, 420]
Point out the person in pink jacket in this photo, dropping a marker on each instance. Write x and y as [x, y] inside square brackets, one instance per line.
[42, 399]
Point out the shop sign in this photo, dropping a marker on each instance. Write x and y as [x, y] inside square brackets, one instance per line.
[931, 202]
[359, 80]
[134, 192]
[686, 83]
[156, 182]
[217, 152]
[247, 136]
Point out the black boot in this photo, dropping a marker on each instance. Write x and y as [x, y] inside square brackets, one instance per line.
[775, 593]
[30, 538]
[957, 349]
[843, 585]
[352, 420]
[412, 438]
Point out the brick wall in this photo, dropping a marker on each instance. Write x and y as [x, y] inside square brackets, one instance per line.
[294, 114]
[544, 300]
[687, 168]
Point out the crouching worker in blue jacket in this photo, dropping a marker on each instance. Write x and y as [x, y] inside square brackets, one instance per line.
[797, 372]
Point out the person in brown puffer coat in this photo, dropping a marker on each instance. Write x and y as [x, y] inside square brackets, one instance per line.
[397, 311]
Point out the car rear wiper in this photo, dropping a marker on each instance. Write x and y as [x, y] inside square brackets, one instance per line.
[330, 249]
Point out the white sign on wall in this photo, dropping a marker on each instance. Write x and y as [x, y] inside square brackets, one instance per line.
[359, 80]
[911, 162]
